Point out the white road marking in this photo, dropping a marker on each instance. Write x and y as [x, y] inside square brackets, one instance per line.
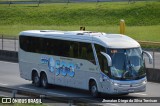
[27, 88]
[56, 93]
[140, 94]
[3, 84]
[3, 96]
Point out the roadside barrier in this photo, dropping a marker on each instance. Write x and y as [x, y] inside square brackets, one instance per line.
[11, 56]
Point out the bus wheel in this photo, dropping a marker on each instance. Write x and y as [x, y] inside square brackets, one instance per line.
[36, 79]
[93, 89]
[44, 81]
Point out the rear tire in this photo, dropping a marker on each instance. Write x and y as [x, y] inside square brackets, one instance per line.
[36, 80]
[93, 89]
[44, 81]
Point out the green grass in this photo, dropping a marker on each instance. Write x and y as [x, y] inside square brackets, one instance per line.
[92, 14]
[143, 33]
[142, 18]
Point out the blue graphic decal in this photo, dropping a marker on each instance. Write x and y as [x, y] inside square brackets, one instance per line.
[57, 67]
[44, 60]
[63, 68]
[71, 70]
[77, 66]
[60, 67]
[104, 76]
[81, 64]
[51, 64]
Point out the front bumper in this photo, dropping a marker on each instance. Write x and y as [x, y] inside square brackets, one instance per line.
[121, 87]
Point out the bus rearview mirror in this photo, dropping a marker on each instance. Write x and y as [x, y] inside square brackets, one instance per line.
[108, 58]
[149, 56]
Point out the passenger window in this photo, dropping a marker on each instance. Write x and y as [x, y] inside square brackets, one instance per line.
[86, 52]
[57, 47]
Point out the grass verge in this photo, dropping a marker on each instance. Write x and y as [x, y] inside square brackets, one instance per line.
[142, 33]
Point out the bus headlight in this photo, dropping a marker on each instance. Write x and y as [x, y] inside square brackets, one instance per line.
[144, 82]
[115, 84]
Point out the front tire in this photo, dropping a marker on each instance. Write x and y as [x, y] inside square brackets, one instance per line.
[44, 81]
[36, 80]
[94, 89]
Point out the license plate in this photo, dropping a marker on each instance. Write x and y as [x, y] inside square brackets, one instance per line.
[130, 90]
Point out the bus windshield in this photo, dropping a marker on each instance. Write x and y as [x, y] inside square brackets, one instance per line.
[127, 64]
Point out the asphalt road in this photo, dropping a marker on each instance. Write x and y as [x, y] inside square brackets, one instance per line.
[9, 77]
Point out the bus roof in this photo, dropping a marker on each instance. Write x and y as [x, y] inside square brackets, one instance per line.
[107, 40]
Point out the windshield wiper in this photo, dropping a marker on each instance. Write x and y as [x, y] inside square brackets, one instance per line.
[124, 74]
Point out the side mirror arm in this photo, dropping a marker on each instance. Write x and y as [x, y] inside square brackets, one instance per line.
[108, 58]
[149, 55]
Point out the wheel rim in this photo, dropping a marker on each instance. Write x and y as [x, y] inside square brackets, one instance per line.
[93, 90]
[36, 79]
[44, 82]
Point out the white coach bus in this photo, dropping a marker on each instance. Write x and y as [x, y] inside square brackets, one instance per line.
[94, 61]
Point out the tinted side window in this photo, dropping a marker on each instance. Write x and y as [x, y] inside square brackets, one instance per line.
[57, 47]
[30, 44]
[86, 52]
[73, 49]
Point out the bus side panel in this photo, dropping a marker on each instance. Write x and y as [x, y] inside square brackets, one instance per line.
[82, 76]
[73, 72]
[33, 61]
[25, 70]
[78, 71]
[26, 64]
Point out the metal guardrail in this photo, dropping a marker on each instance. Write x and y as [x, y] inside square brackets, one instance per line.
[63, 1]
[149, 43]
[9, 43]
[152, 45]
